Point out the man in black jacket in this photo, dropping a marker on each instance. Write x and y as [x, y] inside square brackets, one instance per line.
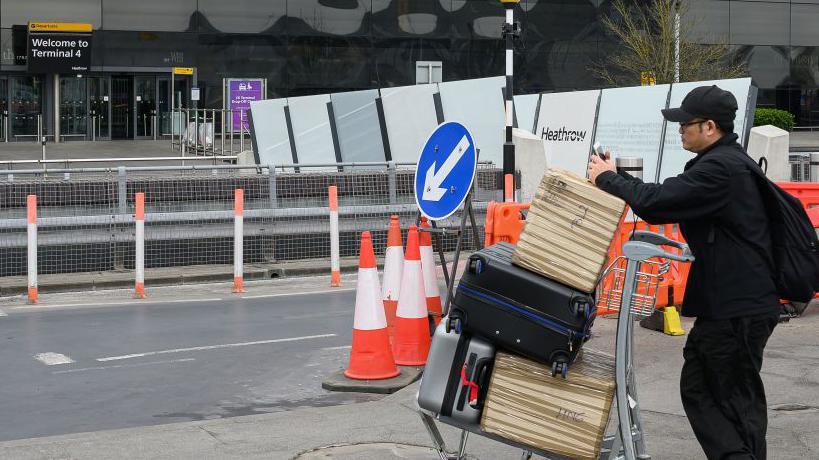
[730, 288]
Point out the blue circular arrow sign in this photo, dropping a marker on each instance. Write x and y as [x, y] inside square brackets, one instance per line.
[446, 170]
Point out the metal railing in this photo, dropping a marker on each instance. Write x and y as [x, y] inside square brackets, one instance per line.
[209, 131]
[85, 216]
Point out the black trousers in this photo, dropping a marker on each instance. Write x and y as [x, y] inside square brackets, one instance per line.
[722, 392]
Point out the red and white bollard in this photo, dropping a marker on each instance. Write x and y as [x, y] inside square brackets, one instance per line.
[509, 188]
[335, 265]
[31, 205]
[139, 262]
[238, 241]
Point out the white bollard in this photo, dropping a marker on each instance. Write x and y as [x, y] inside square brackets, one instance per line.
[31, 205]
[238, 242]
[335, 265]
[139, 263]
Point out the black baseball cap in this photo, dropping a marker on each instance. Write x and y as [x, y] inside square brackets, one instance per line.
[708, 102]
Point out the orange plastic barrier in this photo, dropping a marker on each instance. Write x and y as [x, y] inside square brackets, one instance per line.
[807, 192]
[504, 222]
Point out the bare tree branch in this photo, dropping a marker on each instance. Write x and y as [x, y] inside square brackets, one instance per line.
[645, 32]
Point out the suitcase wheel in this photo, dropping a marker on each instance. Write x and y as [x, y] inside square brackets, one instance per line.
[476, 266]
[559, 367]
[453, 323]
[582, 309]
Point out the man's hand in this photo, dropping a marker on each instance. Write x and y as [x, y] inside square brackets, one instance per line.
[598, 166]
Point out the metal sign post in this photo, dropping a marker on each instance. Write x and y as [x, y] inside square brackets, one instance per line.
[443, 182]
[510, 32]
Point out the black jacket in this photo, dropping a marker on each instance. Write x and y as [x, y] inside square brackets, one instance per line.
[719, 208]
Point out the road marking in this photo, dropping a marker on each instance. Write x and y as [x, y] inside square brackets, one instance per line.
[118, 366]
[53, 359]
[284, 294]
[2, 313]
[338, 348]
[214, 347]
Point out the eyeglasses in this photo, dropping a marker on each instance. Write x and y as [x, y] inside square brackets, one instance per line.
[695, 122]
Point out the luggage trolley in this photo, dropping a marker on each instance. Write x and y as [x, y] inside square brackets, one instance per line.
[629, 286]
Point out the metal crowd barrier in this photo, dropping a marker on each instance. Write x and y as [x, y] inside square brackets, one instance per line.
[209, 131]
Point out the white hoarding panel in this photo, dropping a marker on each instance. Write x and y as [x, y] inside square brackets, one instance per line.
[311, 130]
[269, 129]
[478, 105]
[409, 112]
[359, 134]
[674, 157]
[525, 107]
[566, 122]
[629, 123]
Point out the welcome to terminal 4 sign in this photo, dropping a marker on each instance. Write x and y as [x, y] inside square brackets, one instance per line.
[55, 47]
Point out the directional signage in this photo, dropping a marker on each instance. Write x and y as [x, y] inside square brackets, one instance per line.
[55, 47]
[446, 170]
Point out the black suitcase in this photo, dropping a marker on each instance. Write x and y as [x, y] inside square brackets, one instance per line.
[520, 310]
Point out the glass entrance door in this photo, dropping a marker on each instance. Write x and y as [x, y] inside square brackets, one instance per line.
[99, 106]
[73, 108]
[145, 104]
[4, 109]
[121, 97]
[164, 106]
[25, 107]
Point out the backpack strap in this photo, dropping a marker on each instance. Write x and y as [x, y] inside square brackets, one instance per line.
[763, 160]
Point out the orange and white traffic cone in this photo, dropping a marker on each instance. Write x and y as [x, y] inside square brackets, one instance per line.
[430, 279]
[410, 343]
[371, 356]
[393, 267]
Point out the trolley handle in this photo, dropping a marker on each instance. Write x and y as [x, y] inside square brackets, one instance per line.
[641, 250]
[654, 238]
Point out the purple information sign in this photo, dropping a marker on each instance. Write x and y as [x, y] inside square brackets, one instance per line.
[240, 94]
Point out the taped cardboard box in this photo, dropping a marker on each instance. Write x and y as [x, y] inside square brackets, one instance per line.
[569, 230]
[567, 417]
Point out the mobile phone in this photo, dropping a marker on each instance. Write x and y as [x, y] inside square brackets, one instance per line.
[598, 149]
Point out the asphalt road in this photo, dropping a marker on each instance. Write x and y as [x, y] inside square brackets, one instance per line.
[107, 362]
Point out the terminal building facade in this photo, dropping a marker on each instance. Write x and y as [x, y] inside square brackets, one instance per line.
[146, 57]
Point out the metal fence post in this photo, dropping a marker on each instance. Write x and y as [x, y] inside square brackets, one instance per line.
[222, 133]
[271, 175]
[391, 172]
[122, 183]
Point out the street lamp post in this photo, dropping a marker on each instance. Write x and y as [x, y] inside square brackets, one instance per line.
[509, 32]
[677, 41]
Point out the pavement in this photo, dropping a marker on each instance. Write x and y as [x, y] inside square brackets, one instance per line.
[389, 427]
[84, 150]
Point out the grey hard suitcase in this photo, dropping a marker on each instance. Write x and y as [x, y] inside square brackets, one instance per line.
[456, 376]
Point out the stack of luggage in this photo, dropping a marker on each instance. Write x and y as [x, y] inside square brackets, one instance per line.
[506, 359]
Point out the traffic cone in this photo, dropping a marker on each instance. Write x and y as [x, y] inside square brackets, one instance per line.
[430, 280]
[393, 267]
[410, 343]
[371, 356]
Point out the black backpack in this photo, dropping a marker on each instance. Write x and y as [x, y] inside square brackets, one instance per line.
[795, 243]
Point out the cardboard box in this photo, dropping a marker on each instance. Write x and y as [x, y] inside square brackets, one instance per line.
[567, 417]
[569, 230]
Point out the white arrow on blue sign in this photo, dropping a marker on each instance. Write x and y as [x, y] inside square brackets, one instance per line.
[446, 170]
